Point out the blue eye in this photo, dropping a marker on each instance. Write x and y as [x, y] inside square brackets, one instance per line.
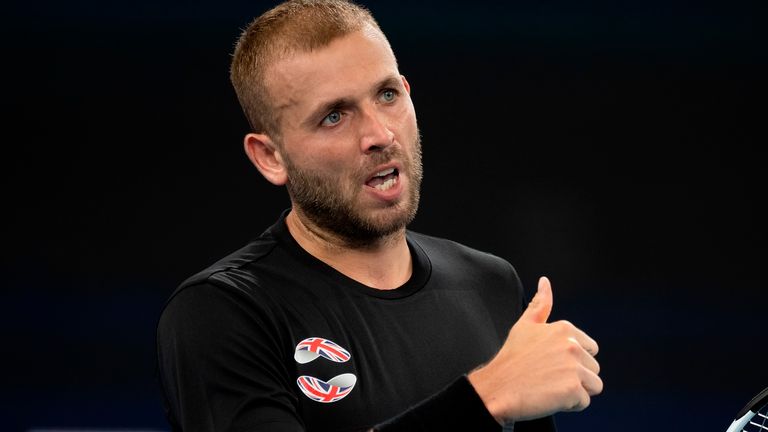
[388, 95]
[331, 119]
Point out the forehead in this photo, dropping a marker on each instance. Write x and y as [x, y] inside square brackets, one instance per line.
[345, 68]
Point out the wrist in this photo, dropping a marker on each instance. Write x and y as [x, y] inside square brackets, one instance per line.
[486, 389]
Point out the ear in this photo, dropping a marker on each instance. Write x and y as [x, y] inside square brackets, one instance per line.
[405, 83]
[266, 157]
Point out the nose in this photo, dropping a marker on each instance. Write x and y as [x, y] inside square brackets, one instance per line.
[375, 134]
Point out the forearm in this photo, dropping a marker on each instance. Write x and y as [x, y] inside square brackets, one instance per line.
[455, 407]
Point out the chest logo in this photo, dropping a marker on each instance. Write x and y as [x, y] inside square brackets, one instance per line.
[316, 389]
[314, 347]
[326, 392]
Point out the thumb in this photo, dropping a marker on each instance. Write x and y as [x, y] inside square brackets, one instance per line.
[541, 305]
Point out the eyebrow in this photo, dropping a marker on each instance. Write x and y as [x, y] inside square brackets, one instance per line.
[343, 102]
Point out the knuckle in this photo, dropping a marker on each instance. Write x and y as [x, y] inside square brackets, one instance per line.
[598, 387]
[584, 402]
[573, 347]
[575, 372]
[574, 386]
[578, 402]
[564, 327]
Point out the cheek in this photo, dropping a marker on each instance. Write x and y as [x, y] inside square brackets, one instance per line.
[320, 154]
[407, 124]
[407, 114]
[328, 163]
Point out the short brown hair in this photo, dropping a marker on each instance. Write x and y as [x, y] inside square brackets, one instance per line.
[291, 27]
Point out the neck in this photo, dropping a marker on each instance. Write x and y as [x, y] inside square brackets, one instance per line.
[382, 264]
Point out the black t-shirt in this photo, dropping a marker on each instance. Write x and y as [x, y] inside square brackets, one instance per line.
[271, 338]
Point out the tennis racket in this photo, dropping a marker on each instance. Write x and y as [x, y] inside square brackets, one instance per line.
[754, 416]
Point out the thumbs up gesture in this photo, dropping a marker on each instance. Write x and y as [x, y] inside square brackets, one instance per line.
[541, 369]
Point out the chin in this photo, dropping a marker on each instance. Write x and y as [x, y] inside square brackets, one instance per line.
[391, 219]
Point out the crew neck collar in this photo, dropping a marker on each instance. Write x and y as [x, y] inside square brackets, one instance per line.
[422, 267]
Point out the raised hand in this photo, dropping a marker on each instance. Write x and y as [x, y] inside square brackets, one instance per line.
[541, 369]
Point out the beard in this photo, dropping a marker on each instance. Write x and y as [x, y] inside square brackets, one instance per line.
[330, 201]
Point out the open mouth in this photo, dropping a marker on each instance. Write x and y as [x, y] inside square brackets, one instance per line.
[384, 180]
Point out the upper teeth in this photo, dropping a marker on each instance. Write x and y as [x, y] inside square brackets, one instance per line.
[385, 172]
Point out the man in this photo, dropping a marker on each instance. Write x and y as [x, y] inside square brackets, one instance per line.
[337, 317]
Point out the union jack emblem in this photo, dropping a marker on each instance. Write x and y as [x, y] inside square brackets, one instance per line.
[310, 348]
[335, 389]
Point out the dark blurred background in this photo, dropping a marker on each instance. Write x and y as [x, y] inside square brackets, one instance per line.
[611, 145]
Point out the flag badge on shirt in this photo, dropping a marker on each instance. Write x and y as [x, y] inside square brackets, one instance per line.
[314, 347]
[335, 389]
